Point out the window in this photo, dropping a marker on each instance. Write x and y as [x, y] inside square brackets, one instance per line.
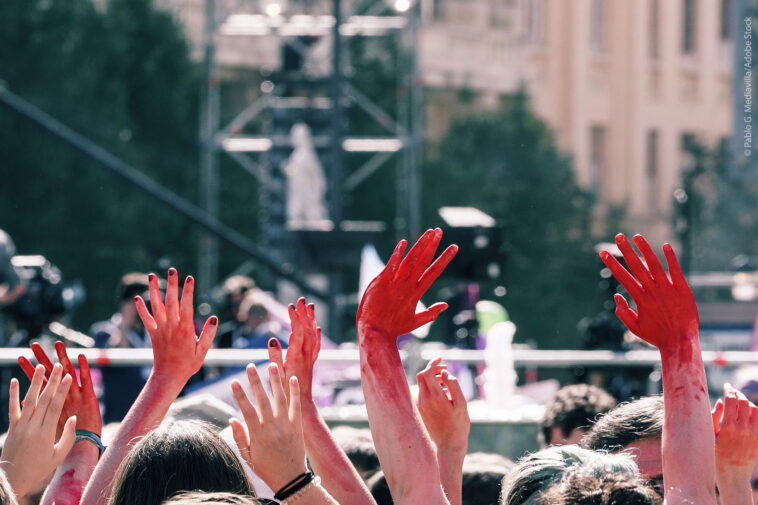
[655, 30]
[535, 11]
[651, 171]
[597, 156]
[689, 26]
[727, 7]
[598, 25]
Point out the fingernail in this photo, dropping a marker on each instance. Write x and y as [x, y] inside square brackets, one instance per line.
[273, 343]
[171, 272]
[136, 299]
[189, 280]
[214, 321]
[273, 369]
[151, 277]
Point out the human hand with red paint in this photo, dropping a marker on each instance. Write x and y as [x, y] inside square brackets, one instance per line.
[666, 312]
[735, 423]
[178, 353]
[388, 306]
[81, 400]
[30, 452]
[302, 351]
[443, 407]
[272, 444]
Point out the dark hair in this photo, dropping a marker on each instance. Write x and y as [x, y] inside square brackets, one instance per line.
[131, 285]
[202, 498]
[575, 406]
[625, 424]
[359, 447]
[178, 456]
[482, 478]
[379, 488]
[578, 486]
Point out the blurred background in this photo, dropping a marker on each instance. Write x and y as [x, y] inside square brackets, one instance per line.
[293, 142]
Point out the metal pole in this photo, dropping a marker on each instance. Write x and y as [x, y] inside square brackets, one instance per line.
[208, 247]
[335, 171]
[417, 126]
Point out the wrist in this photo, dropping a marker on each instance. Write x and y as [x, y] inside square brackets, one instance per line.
[452, 451]
[284, 476]
[166, 382]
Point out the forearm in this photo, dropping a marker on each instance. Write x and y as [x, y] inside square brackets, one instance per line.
[72, 475]
[402, 445]
[450, 462]
[688, 438]
[330, 462]
[734, 487]
[145, 415]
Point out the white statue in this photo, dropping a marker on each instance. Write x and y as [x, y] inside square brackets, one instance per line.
[306, 184]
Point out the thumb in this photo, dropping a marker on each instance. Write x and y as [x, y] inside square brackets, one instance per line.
[66, 442]
[718, 409]
[428, 315]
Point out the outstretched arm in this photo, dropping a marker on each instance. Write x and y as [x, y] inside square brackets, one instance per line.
[388, 310]
[735, 421]
[72, 475]
[177, 354]
[328, 460]
[445, 415]
[667, 318]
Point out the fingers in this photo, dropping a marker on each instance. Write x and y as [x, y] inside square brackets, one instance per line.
[675, 271]
[241, 438]
[50, 421]
[156, 303]
[85, 377]
[42, 358]
[277, 389]
[716, 413]
[26, 366]
[53, 384]
[296, 337]
[397, 256]
[60, 350]
[207, 335]
[172, 295]
[186, 311]
[653, 263]
[317, 346]
[436, 269]
[454, 388]
[32, 394]
[428, 315]
[148, 322]
[408, 264]
[627, 315]
[248, 411]
[731, 404]
[66, 442]
[14, 409]
[259, 393]
[294, 407]
[275, 352]
[638, 269]
[425, 258]
[630, 283]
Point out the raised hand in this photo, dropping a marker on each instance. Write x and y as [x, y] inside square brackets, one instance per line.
[445, 413]
[273, 443]
[81, 400]
[30, 452]
[388, 306]
[666, 310]
[177, 352]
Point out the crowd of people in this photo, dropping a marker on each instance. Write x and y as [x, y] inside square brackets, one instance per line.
[668, 449]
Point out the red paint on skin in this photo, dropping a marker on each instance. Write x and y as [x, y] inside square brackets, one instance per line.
[69, 492]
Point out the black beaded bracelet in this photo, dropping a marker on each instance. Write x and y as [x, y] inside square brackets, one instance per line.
[294, 486]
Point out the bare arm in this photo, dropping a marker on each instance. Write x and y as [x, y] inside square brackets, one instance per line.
[445, 415]
[327, 458]
[177, 354]
[667, 318]
[388, 310]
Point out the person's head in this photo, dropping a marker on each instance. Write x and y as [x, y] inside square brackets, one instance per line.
[252, 311]
[7, 496]
[482, 477]
[178, 456]
[379, 488]
[572, 412]
[202, 498]
[635, 427]
[359, 448]
[232, 293]
[578, 486]
[534, 474]
[129, 286]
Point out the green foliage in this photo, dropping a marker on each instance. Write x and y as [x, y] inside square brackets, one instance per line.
[506, 164]
[122, 77]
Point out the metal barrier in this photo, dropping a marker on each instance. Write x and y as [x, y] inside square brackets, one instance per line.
[521, 357]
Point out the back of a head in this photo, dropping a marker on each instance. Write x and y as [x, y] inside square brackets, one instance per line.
[180, 456]
[576, 406]
[535, 473]
[581, 487]
[627, 423]
[359, 448]
[203, 498]
[482, 478]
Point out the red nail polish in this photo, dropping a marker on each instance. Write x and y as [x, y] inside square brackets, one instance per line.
[151, 277]
[136, 299]
[214, 320]
[273, 343]
[171, 272]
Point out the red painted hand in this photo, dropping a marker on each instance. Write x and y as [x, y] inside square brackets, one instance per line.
[177, 352]
[303, 349]
[388, 306]
[736, 434]
[445, 414]
[81, 400]
[666, 310]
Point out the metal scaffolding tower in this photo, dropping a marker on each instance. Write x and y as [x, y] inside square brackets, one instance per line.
[261, 155]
